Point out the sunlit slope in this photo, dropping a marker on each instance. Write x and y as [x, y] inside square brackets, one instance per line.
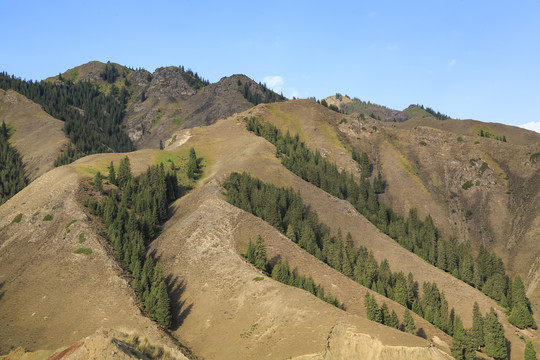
[37, 136]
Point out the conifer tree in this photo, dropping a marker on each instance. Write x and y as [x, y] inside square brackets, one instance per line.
[259, 254]
[408, 322]
[124, 172]
[162, 313]
[393, 321]
[494, 336]
[192, 164]
[385, 314]
[530, 354]
[520, 315]
[112, 174]
[477, 330]
[98, 182]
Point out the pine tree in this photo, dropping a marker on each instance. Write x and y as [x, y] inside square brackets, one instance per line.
[477, 330]
[494, 336]
[162, 313]
[520, 315]
[192, 164]
[393, 321]
[530, 354]
[124, 172]
[112, 174]
[259, 254]
[98, 182]
[408, 322]
[385, 314]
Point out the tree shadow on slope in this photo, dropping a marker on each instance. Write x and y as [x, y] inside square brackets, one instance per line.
[179, 308]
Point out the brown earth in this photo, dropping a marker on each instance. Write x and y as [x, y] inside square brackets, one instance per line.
[37, 136]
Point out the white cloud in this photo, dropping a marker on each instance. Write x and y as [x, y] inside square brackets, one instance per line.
[534, 126]
[274, 82]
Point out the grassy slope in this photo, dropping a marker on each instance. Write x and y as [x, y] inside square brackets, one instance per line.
[37, 136]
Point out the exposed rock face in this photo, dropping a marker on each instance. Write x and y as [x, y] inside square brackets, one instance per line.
[168, 83]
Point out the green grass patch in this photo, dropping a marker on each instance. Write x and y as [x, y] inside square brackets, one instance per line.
[294, 123]
[459, 139]
[71, 223]
[484, 167]
[73, 75]
[158, 117]
[467, 185]
[177, 121]
[417, 111]
[85, 251]
[81, 238]
[423, 143]
[17, 219]
[258, 278]
[48, 217]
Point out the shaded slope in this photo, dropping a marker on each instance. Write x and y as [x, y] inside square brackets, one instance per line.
[37, 136]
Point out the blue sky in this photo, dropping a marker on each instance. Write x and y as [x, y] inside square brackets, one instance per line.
[469, 59]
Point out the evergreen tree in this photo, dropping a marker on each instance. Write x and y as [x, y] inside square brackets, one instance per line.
[477, 331]
[494, 336]
[124, 172]
[162, 313]
[12, 178]
[112, 174]
[520, 315]
[98, 182]
[192, 164]
[393, 321]
[408, 322]
[530, 354]
[259, 254]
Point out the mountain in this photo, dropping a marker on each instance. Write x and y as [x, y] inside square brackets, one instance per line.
[172, 98]
[61, 280]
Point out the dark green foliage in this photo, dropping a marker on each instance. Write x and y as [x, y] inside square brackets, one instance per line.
[95, 129]
[12, 179]
[521, 315]
[284, 209]
[477, 331]
[257, 95]
[422, 238]
[281, 272]
[530, 354]
[256, 253]
[437, 114]
[131, 217]
[112, 175]
[193, 79]
[489, 134]
[110, 73]
[363, 162]
[467, 185]
[192, 166]
[47, 217]
[494, 336]
[68, 156]
[98, 182]
[372, 309]
[408, 322]
[462, 345]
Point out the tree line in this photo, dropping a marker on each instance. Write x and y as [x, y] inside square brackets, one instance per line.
[284, 209]
[12, 178]
[193, 79]
[255, 97]
[131, 215]
[256, 254]
[485, 272]
[92, 119]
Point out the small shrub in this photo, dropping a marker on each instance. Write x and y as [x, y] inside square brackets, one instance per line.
[423, 143]
[476, 142]
[81, 238]
[85, 251]
[48, 217]
[258, 278]
[459, 139]
[467, 185]
[17, 219]
[484, 167]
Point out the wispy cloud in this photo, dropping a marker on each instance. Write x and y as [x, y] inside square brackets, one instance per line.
[533, 125]
[274, 82]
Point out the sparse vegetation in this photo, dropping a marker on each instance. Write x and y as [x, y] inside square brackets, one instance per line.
[460, 139]
[484, 132]
[423, 143]
[467, 185]
[17, 219]
[81, 238]
[47, 217]
[85, 251]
